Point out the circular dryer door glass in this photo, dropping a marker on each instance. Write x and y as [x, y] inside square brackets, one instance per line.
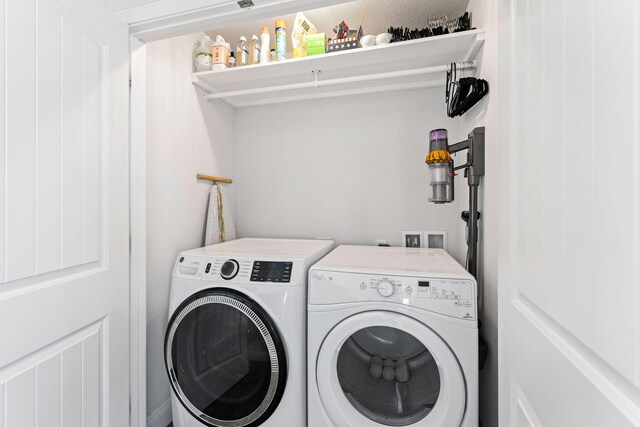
[225, 361]
[388, 375]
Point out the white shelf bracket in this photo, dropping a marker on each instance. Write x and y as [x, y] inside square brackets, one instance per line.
[472, 53]
[207, 88]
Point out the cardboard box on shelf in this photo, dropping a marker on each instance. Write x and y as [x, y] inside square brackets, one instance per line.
[343, 44]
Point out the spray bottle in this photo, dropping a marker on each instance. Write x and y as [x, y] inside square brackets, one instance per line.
[281, 40]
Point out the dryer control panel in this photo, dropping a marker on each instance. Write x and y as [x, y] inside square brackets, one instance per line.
[450, 297]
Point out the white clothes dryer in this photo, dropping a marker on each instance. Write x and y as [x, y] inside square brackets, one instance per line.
[235, 342]
[392, 339]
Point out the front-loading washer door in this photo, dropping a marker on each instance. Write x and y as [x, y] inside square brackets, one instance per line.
[225, 359]
[381, 368]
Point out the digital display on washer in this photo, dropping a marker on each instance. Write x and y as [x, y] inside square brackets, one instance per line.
[269, 271]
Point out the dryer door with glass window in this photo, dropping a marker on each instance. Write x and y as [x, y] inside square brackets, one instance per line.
[380, 368]
[225, 359]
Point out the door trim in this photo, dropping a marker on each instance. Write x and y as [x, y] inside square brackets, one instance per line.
[138, 230]
[507, 168]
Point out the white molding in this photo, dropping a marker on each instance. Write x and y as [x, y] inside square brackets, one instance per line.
[161, 416]
[505, 107]
[172, 18]
[163, 9]
[622, 396]
[138, 227]
[522, 403]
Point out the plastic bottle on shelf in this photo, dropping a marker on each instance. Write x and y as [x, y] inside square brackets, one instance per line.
[281, 40]
[265, 45]
[242, 52]
[203, 54]
[220, 51]
[272, 55]
[232, 60]
[254, 50]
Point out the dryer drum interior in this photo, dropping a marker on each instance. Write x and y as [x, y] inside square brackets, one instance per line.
[225, 359]
[388, 375]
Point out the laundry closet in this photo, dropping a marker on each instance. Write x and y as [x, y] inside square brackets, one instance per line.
[105, 128]
[343, 160]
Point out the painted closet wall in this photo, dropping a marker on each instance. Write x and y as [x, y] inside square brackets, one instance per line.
[484, 114]
[348, 168]
[185, 136]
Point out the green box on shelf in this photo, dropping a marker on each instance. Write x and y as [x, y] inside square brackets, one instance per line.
[316, 43]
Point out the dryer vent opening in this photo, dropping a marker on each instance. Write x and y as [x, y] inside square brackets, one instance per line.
[388, 375]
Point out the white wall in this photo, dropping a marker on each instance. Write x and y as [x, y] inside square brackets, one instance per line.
[303, 170]
[484, 114]
[185, 136]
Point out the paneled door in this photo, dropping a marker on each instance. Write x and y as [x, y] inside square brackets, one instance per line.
[64, 227]
[570, 244]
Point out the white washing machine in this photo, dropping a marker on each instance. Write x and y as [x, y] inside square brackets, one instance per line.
[392, 339]
[235, 343]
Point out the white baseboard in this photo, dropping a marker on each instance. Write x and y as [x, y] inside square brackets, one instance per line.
[161, 416]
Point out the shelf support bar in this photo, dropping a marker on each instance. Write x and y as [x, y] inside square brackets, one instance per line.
[344, 80]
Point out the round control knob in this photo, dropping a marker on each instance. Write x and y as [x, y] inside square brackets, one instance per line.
[229, 269]
[385, 288]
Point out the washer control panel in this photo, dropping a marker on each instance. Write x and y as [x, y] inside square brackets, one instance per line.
[229, 269]
[386, 288]
[270, 271]
[237, 270]
[451, 297]
[457, 290]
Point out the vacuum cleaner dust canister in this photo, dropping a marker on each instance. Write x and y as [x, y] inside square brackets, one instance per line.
[440, 167]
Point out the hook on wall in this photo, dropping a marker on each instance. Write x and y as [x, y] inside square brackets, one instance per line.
[214, 179]
[315, 77]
